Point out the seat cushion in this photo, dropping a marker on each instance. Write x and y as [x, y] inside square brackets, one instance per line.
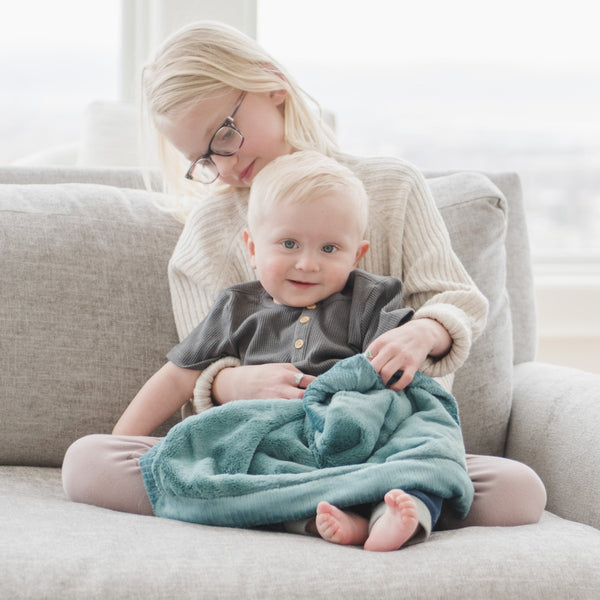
[60, 549]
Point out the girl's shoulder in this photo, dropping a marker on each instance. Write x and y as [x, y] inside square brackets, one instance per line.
[391, 183]
[377, 167]
[224, 206]
[211, 250]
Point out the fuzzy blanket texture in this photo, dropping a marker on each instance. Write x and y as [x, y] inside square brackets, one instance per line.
[349, 441]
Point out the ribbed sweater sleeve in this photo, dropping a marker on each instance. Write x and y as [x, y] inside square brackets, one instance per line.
[209, 256]
[409, 240]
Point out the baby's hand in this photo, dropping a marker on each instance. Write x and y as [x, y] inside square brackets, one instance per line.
[275, 380]
[405, 349]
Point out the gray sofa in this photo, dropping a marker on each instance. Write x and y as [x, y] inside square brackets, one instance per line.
[85, 318]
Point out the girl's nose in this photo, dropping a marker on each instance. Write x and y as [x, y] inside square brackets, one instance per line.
[225, 165]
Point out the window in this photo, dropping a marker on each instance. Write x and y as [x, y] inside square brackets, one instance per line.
[57, 57]
[462, 85]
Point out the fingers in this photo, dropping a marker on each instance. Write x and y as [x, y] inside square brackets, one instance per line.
[294, 382]
[301, 380]
[395, 371]
[272, 380]
[403, 381]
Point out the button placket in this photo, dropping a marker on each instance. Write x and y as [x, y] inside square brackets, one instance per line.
[301, 333]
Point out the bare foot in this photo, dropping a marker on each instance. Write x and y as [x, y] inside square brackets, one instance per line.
[396, 526]
[339, 527]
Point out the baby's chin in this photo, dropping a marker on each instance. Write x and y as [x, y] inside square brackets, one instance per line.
[292, 303]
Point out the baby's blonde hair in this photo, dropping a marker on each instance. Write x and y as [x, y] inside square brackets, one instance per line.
[304, 177]
[208, 59]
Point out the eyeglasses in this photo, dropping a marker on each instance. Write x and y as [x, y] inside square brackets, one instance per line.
[226, 141]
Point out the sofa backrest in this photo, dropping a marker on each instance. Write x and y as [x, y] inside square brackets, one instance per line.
[488, 233]
[85, 312]
[122, 177]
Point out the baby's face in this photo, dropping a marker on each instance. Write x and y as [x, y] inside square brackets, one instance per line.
[303, 252]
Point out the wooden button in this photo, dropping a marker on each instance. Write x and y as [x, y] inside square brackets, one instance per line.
[298, 344]
[304, 319]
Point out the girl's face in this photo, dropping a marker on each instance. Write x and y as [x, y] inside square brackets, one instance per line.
[259, 119]
[303, 252]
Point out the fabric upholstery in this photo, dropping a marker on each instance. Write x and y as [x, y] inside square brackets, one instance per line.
[475, 213]
[84, 311]
[519, 272]
[554, 427]
[77, 551]
[117, 177]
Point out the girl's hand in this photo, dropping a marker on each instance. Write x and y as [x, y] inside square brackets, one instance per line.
[406, 348]
[276, 380]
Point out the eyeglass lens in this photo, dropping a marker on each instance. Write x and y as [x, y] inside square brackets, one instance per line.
[226, 141]
[204, 171]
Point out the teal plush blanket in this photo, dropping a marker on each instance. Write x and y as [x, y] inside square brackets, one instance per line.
[349, 441]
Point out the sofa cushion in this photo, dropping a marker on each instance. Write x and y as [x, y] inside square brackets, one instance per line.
[60, 549]
[475, 213]
[85, 311]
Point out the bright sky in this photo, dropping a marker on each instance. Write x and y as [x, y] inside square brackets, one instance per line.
[390, 31]
[399, 30]
[38, 24]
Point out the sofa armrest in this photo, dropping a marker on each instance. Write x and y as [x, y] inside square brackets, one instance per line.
[554, 429]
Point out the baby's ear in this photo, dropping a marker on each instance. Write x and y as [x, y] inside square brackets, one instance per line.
[363, 247]
[250, 248]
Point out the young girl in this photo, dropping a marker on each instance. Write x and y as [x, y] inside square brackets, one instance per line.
[224, 109]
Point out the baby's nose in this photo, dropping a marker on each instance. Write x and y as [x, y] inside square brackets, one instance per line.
[307, 261]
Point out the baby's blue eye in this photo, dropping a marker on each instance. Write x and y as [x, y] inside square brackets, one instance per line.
[329, 248]
[289, 244]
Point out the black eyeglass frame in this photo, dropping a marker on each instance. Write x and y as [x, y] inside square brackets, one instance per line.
[206, 158]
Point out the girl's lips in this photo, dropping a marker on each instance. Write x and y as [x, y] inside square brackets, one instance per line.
[246, 174]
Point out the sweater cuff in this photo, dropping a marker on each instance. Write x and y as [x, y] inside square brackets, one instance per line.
[202, 399]
[456, 324]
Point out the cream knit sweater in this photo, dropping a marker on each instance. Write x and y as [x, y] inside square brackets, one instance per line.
[408, 240]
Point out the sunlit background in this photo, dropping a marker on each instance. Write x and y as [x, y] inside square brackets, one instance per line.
[448, 85]
[468, 84]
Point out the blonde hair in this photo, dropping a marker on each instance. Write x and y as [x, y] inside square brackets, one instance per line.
[207, 59]
[303, 177]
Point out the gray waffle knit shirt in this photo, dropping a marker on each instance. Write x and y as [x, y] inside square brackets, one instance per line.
[246, 323]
